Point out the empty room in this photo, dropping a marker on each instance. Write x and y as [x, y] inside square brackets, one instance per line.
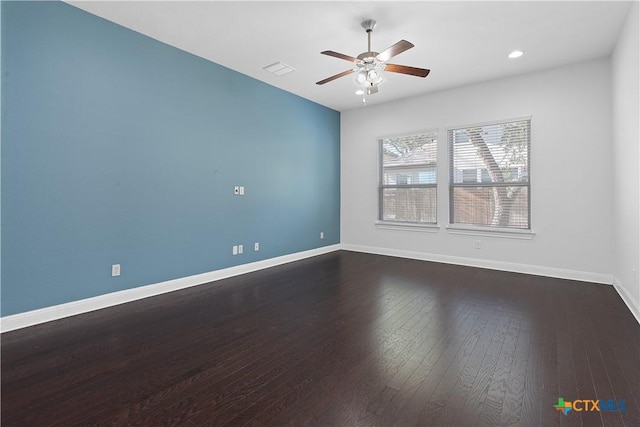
[300, 213]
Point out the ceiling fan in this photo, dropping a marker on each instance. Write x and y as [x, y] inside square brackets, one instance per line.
[370, 65]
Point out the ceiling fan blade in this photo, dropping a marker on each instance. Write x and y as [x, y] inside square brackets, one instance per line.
[337, 76]
[404, 69]
[341, 56]
[394, 50]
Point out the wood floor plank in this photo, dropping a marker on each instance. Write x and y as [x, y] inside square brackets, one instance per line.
[387, 342]
[492, 404]
[621, 389]
[340, 339]
[350, 403]
[602, 384]
[454, 405]
[394, 406]
[514, 394]
[549, 371]
[434, 368]
[482, 381]
[299, 398]
[583, 374]
[567, 386]
[440, 396]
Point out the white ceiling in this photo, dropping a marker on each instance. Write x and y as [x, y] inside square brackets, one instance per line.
[461, 42]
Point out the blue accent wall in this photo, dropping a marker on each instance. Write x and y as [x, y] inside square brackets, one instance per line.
[117, 148]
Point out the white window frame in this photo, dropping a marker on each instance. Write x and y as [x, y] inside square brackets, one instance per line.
[487, 230]
[405, 225]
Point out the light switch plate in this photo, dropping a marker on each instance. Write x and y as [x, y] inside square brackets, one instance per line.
[115, 270]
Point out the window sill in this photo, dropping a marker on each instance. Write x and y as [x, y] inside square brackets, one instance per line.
[407, 226]
[504, 233]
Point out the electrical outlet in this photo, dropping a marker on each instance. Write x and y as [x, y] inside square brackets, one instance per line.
[240, 249]
[256, 246]
[234, 250]
[115, 270]
[241, 190]
[236, 190]
[322, 234]
[478, 244]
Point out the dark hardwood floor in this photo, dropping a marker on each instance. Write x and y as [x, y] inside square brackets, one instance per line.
[343, 339]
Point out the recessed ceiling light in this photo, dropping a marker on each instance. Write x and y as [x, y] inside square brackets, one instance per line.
[360, 92]
[516, 54]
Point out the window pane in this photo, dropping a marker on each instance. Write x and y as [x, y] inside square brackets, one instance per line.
[428, 176]
[491, 206]
[491, 153]
[406, 159]
[409, 204]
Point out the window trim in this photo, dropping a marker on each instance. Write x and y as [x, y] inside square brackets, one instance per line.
[408, 226]
[481, 230]
[505, 233]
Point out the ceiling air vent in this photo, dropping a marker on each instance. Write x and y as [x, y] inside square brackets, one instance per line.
[279, 69]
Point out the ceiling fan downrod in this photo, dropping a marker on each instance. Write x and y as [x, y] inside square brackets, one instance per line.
[368, 26]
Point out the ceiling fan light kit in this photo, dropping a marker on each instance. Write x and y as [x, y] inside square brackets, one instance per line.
[370, 65]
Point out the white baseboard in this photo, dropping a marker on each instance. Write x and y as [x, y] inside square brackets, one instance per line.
[628, 299]
[489, 264]
[47, 314]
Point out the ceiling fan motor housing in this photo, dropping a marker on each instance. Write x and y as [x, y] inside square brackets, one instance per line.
[368, 57]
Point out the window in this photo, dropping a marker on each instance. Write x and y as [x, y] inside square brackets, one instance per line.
[407, 189]
[489, 175]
